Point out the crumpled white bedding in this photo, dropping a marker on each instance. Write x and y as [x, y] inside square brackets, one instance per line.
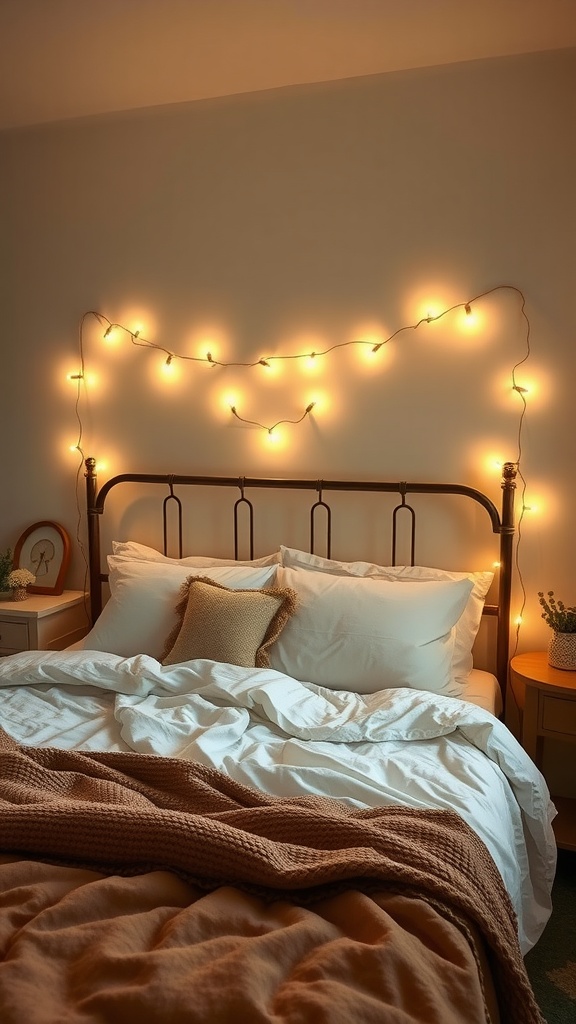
[288, 738]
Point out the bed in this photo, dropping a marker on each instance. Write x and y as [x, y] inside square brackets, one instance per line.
[271, 788]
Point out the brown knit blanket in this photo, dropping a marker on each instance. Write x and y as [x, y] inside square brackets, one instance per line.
[390, 911]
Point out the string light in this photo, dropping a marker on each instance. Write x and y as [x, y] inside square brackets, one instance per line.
[254, 423]
[522, 394]
[311, 357]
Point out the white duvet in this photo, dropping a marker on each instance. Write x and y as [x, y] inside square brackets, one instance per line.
[287, 737]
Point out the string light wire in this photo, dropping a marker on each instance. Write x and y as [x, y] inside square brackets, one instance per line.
[79, 378]
[521, 392]
[171, 354]
[254, 423]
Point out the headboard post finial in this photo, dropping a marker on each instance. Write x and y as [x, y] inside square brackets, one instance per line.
[509, 473]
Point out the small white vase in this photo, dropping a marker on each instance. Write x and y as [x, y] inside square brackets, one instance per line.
[562, 651]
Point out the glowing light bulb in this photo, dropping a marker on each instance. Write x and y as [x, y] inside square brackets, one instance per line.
[111, 335]
[272, 366]
[374, 355]
[311, 363]
[471, 320]
[228, 401]
[168, 369]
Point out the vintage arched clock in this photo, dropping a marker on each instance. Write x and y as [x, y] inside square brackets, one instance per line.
[44, 549]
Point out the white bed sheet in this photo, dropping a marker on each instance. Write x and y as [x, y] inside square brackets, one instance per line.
[289, 738]
[483, 689]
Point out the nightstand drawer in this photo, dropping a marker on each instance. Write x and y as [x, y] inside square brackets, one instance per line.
[559, 716]
[13, 636]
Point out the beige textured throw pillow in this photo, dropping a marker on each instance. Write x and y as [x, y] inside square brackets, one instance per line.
[232, 626]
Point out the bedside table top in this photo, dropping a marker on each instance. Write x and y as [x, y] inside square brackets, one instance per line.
[36, 606]
[534, 669]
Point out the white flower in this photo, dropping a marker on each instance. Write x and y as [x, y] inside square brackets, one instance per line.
[20, 578]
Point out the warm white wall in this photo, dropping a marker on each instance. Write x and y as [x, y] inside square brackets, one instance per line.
[292, 219]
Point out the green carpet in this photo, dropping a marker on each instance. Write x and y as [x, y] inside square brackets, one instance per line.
[551, 965]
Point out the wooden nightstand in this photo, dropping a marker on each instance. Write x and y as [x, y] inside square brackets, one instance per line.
[42, 622]
[549, 710]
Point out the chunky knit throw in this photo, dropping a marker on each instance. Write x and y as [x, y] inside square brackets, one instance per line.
[126, 813]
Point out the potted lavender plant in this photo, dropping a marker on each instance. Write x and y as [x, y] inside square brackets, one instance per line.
[562, 621]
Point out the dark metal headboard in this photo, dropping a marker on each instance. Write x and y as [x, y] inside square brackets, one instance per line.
[502, 522]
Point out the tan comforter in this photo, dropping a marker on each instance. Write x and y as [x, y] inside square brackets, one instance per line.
[147, 889]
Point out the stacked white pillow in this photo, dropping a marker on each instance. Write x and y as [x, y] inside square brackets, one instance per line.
[466, 627]
[365, 634]
[141, 611]
[143, 553]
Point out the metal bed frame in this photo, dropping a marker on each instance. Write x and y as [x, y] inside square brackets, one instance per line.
[502, 522]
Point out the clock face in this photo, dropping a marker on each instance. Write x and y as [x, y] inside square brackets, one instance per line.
[44, 549]
[41, 554]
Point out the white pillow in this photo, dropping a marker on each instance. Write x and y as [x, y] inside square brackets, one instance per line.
[369, 634]
[140, 552]
[469, 622]
[141, 611]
